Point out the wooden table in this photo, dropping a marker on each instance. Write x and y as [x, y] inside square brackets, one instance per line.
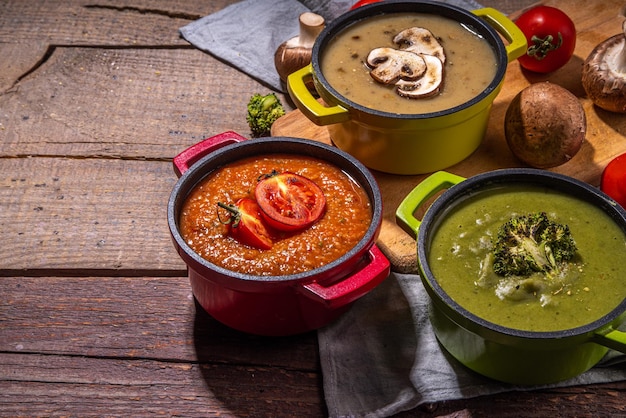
[96, 313]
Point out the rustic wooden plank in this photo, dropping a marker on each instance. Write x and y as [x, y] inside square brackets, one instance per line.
[111, 216]
[130, 103]
[40, 385]
[133, 318]
[32, 384]
[86, 22]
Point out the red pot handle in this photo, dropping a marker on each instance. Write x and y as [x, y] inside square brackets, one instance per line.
[353, 287]
[183, 161]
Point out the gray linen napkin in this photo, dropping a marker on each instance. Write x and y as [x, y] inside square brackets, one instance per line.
[382, 357]
[246, 34]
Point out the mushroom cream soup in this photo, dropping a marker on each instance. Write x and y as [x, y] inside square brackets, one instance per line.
[590, 286]
[469, 65]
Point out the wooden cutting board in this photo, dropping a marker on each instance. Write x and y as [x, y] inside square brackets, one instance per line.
[606, 132]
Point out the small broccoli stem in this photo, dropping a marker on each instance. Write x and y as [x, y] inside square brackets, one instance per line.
[537, 251]
[269, 101]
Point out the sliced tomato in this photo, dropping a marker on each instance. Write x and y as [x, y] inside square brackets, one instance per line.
[246, 224]
[613, 180]
[289, 201]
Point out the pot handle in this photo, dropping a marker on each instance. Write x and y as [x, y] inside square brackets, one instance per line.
[431, 185]
[611, 338]
[353, 287]
[183, 161]
[507, 28]
[308, 105]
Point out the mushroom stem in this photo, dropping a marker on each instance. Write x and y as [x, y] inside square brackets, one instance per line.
[311, 25]
[617, 61]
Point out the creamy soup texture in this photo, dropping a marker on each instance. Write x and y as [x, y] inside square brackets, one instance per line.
[469, 68]
[593, 284]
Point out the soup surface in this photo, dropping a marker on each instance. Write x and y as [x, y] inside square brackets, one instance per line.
[346, 220]
[469, 68]
[591, 286]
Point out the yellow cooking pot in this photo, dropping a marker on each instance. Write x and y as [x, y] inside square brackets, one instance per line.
[407, 143]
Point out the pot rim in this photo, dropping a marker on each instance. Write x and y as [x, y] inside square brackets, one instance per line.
[471, 21]
[516, 176]
[288, 145]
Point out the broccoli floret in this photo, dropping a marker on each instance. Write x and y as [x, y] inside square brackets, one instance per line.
[532, 243]
[263, 112]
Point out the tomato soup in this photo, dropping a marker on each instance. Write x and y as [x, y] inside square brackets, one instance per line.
[470, 63]
[347, 217]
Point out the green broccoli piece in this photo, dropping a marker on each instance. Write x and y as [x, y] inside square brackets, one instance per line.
[533, 243]
[263, 112]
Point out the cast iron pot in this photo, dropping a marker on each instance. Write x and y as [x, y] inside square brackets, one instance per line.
[406, 143]
[276, 305]
[506, 354]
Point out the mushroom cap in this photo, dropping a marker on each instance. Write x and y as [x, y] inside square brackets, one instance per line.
[390, 65]
[604, 74]
[427, 85]
[420, 41]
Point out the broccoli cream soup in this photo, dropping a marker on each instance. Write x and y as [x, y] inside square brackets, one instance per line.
[392, 80]
[580, 291]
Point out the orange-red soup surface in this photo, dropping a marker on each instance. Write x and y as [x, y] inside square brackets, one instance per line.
[347, 217]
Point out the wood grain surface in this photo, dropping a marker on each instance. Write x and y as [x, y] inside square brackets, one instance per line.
[606, 132]
[96, 313]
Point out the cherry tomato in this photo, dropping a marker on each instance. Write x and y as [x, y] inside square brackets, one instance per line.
[363, 3]
[613, 180]
[246, 225]
[288, 201]
[551, 37]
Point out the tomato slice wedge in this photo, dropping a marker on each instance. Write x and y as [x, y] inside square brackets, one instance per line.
[289, 201]
[613, 181]
[246, 225]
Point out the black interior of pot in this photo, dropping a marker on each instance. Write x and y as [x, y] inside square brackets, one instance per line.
[277, 145]
[476, 24]
[503, 178]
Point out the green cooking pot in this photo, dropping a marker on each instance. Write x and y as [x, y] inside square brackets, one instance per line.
[506, 354]
[407, 143]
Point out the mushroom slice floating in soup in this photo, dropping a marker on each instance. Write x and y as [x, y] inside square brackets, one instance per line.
[420, 41]
[416, 69]
[391, 65]
[427, 85]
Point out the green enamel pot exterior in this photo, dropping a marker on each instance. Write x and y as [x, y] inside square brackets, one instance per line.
[505, 354]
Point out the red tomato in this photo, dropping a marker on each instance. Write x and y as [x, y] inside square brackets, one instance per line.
[246, 225]
[551, 38]
[613, 180]
[363, 3]
[288, 201]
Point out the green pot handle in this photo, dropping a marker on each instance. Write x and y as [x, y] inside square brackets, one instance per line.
[427, 188]
[309, 105]
[611, 338]
[507, 28]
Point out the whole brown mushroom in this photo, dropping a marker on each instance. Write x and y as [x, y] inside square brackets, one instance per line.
[295, 53]
[604, 73]
[545, 125]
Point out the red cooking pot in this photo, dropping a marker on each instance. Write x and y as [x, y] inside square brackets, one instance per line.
[276, 305]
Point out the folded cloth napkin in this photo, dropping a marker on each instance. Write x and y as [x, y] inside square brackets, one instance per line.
[246, 34]
[382, 357]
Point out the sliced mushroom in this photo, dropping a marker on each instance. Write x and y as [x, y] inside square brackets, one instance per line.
[420, 41]
[604, 73]
[390, 65]
[428, 85]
